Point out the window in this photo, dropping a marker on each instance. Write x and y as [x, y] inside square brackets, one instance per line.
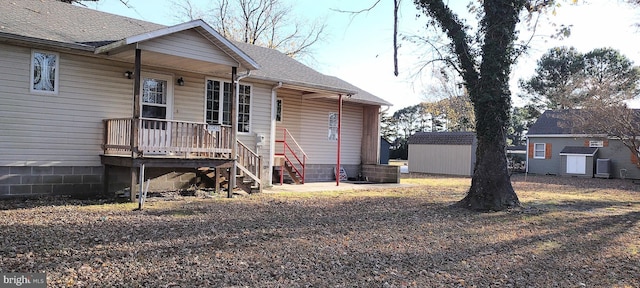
[539, 150]
[44, 72]
[154, 98]
[244, 109]
[218, 105]
[279, 110]
[333, 126]
[593, 143]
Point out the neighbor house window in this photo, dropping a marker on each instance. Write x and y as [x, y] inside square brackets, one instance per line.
[218, 105]
[333, 126]
[593, 143]
[279, 110]
[539, 150]
[44, 72]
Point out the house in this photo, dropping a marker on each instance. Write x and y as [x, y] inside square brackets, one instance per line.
[93, 103]
[447, 153]
[555, 148]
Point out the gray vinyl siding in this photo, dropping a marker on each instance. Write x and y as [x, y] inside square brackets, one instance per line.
[553, 165]
[441, 159]
[619, 154]
[63, 129]
[188, 44]
[620, 157]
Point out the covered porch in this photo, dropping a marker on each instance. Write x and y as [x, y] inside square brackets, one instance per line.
[168, 127]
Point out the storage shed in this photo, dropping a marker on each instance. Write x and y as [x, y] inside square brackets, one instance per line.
[446, 153]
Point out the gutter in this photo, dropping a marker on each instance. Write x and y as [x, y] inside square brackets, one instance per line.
[8, 37]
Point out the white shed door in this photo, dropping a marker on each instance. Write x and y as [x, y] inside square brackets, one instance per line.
[576, 164]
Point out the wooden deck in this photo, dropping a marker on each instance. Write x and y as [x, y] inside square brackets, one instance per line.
[157, 143]
[166, 138]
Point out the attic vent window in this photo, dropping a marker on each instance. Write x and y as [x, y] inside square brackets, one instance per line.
[596, 143]
[44, 72]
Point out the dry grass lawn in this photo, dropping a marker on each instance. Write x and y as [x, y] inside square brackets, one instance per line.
[571, 233]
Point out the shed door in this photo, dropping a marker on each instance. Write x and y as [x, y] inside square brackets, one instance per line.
[576, 164]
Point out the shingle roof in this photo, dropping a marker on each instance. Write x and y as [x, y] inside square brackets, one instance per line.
[81, 27]
[558, 122]
[276, 66]
[443, 138]
[549, 123]
[65, 23]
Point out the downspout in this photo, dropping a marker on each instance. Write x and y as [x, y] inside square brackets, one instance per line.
[339, 139]
[272, 131]
[234, 127]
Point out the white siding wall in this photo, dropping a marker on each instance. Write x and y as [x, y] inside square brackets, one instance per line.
[260, 120]
[440, 159]
[291, 114]
[66, 129]
[308, 121]
[188, 44]
[63, 129]
[314, 127]
[188, 103]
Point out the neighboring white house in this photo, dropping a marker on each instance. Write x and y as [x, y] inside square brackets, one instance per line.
[88, 98]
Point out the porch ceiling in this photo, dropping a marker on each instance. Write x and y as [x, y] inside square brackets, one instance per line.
[155, 59]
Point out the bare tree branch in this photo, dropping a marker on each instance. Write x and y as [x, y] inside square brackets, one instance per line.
[266, 23]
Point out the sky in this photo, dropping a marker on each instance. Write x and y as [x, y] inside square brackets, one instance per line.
[359, 49]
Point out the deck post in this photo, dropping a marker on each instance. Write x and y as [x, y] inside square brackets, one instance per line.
[134, 181]
[136, 104]
[141, 195]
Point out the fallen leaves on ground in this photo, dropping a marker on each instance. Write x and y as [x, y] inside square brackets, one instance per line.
[569, 234]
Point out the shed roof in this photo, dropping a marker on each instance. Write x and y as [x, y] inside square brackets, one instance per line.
[443, 138]
[580, 150]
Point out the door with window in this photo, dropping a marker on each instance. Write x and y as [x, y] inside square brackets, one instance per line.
[156, 97]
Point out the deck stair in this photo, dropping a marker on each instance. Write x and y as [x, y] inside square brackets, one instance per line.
[290, 158]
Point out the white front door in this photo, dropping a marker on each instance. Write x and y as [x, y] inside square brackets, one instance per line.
[156, 103]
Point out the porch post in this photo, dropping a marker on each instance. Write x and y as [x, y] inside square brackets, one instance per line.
[135, 120]
[234, 133]
[337, 172]
[136, 104]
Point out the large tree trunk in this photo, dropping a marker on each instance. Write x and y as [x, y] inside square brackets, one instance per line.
[488, 89]
[491, 185]
[491, 188]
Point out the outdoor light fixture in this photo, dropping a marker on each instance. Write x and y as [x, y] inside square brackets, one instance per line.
[180, 81]
[128, 74]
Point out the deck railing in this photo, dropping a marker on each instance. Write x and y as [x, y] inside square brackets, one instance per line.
[293, 154]
[168, 138]
[249, 162]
